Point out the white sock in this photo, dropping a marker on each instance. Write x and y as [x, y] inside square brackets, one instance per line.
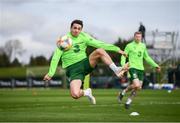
[114, 67]
[129, 100]
[123, 92]
[86, 92]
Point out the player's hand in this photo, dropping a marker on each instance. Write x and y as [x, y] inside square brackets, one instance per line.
[58, 41]
[158, 69]
[126, 66]
[122, 53]
[47, 77]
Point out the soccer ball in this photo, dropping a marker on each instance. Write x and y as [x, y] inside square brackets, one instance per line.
[65, 43]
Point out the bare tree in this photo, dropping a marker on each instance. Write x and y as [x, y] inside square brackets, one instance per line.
[13, 48]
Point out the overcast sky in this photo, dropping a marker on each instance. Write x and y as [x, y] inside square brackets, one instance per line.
[38, 23]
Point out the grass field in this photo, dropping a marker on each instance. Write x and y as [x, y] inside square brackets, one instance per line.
[51, 105]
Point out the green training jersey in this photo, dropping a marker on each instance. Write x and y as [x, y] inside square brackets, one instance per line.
[136, 53]
[78, 51]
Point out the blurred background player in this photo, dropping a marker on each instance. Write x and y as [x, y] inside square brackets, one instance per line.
[76, 62]
[142, 29]
[136, 51]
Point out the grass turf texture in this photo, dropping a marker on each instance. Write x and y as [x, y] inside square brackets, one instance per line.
[50, 105]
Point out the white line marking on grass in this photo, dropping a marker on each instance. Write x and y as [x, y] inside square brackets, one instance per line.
[83, 106]
[113, 105]
[160, 103]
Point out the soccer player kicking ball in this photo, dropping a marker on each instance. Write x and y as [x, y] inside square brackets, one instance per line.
[136, 51]
[78, 64]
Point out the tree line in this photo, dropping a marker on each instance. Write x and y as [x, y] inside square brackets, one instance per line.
[14, 48]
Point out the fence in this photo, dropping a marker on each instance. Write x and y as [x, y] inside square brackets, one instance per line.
[102, 77]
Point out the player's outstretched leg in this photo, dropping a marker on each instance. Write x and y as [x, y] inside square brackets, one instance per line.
[120, 96]
[123, 92]
[101, 54]
[129, 100]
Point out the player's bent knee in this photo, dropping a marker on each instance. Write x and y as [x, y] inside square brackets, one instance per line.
[100, 51]
[137, 86]
[75, 95]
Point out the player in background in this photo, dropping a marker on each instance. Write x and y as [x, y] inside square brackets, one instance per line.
[142, 29]
[78, 64]
[136, 51]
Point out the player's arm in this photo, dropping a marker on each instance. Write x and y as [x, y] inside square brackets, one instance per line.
[125, 66]
[151, 61]
[53, 65]
[100, 44]
[123, 58]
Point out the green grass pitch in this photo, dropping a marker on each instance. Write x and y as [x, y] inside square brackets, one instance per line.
[52, 105]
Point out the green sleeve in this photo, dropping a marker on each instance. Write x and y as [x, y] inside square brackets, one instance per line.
[149, 59]
[100, 44]
[123, 58]
[54, 62]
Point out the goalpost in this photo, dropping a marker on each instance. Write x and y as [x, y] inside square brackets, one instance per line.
[162, 48]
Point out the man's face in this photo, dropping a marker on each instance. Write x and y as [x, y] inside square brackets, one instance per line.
[76, 29]
[138, 37]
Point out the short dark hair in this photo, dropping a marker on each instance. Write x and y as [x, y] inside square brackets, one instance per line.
[138, 32]
[80, 22]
